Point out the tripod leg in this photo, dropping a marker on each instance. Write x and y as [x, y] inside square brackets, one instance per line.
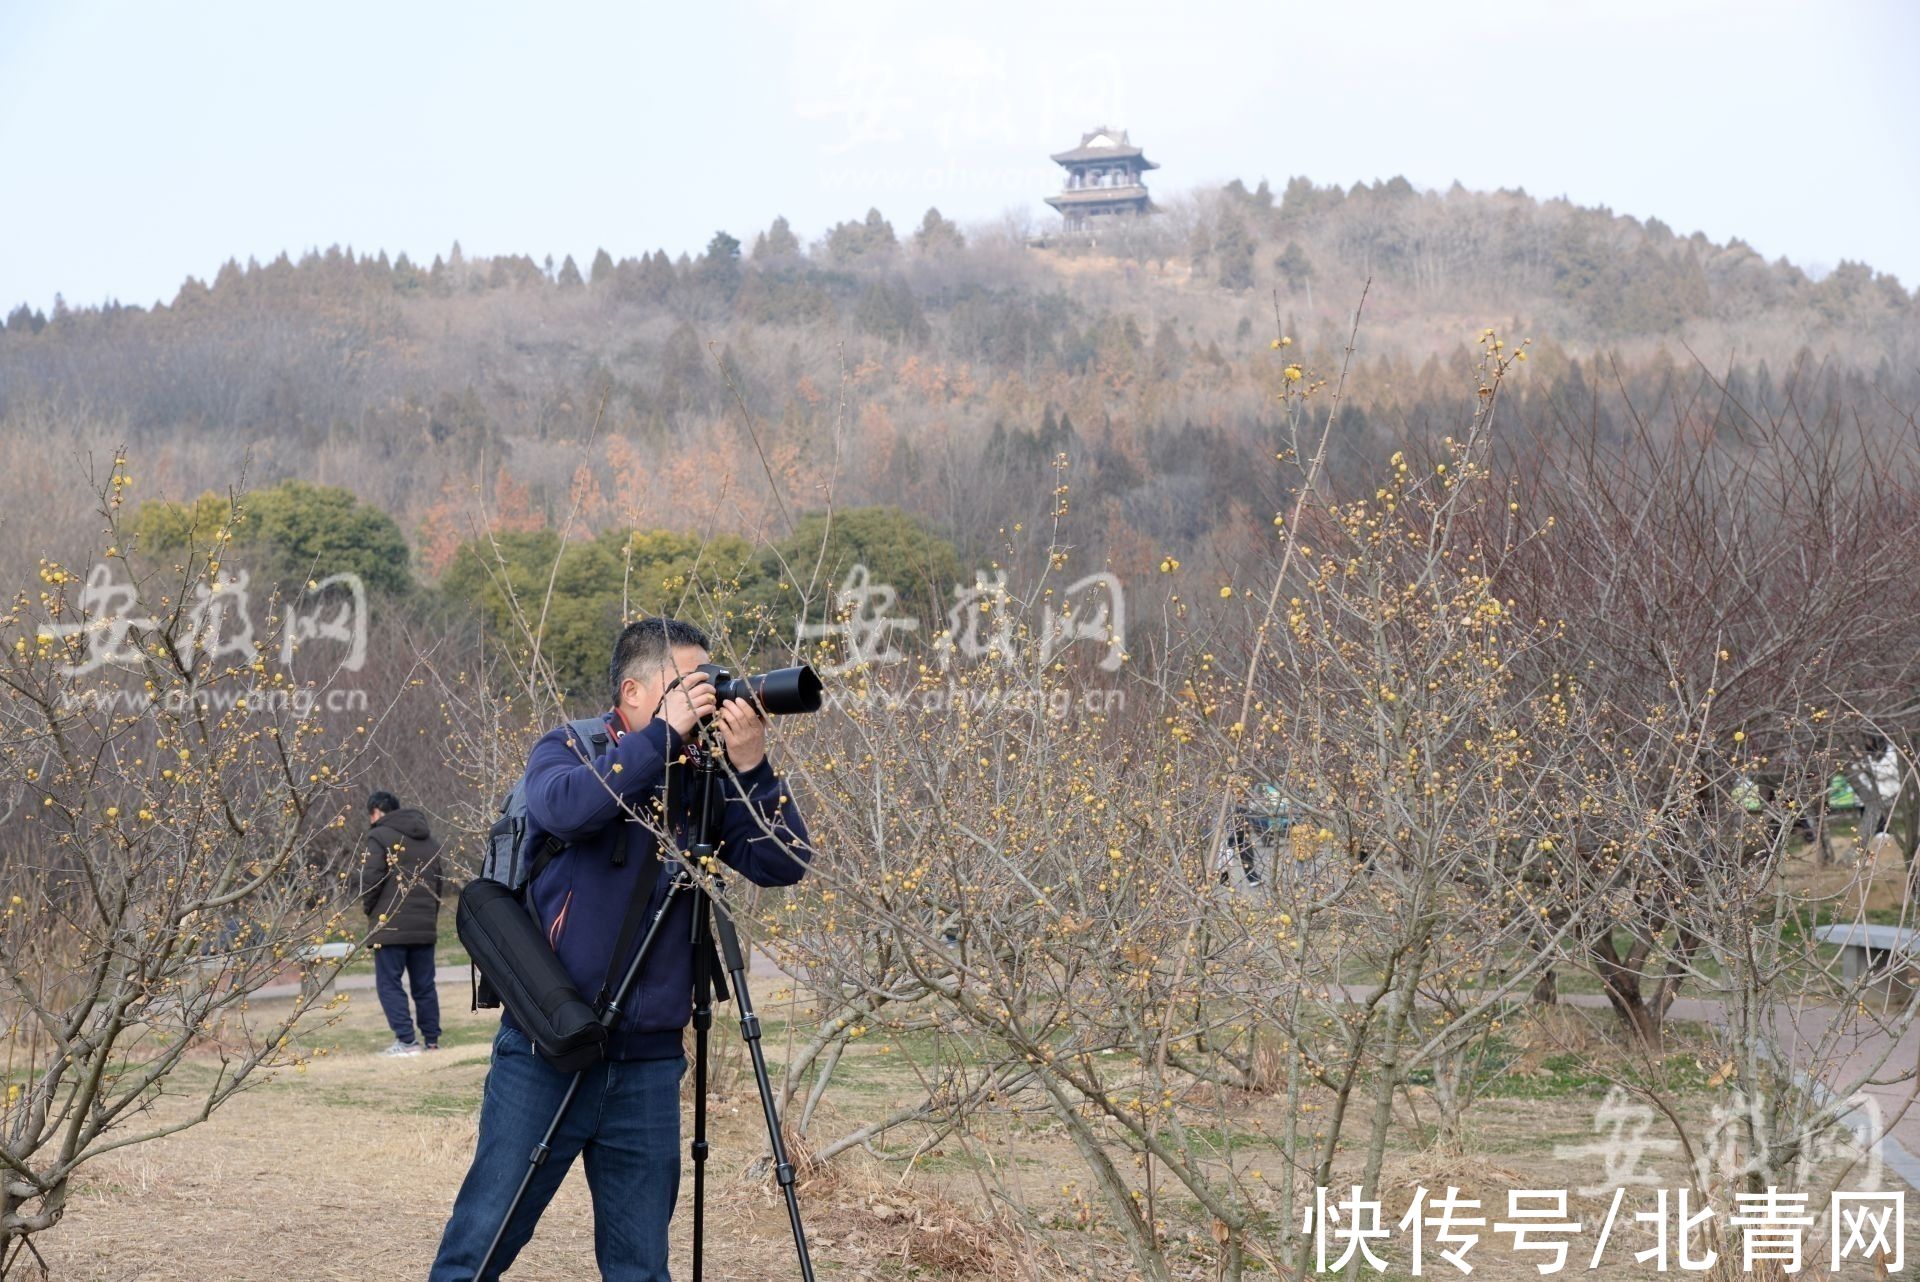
[702, 1022]
[610, 1016]
[535, 1160]
[750, 1029]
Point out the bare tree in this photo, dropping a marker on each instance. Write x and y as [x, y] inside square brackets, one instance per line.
[174, 847]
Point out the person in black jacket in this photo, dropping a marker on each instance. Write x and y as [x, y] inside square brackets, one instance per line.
[624, 1124]
[401, 877]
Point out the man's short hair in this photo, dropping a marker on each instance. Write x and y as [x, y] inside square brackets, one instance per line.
[647, 643]
[385, 802]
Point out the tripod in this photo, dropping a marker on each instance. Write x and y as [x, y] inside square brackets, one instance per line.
[711, 922]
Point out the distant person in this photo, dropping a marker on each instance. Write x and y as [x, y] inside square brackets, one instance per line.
[401, 877]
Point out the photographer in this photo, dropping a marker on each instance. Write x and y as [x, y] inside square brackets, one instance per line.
[625, 1123]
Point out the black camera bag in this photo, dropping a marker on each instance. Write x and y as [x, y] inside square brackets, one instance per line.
[513, 956]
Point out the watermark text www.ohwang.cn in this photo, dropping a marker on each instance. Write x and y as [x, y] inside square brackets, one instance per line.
[300, 702]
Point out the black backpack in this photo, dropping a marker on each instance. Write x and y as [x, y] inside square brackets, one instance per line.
[507, 859]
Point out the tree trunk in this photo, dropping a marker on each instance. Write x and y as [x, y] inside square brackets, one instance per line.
[1546, 989]
[1399, 1011]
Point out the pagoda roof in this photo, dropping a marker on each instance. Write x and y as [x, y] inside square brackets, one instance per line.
[1104, 144]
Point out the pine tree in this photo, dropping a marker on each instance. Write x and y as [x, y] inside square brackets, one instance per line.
[601, 272]
[719, 267]
[778, 241]
[406, 277]
[656, 276]
[871, 240]
[938, 234]
[1200, 247]
[570, 275]
[1294, 267]
[1233, 250]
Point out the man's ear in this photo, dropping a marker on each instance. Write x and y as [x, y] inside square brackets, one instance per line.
[633, 691]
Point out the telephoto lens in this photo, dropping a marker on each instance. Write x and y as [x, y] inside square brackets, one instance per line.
[783, 692]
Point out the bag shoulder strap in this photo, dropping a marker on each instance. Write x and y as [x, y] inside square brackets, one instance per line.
[644, 892]
[592, 731]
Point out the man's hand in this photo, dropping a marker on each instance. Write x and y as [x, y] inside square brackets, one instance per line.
[745, 731]
[691, 701]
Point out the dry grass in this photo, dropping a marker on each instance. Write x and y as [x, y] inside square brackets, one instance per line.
[347, 1172]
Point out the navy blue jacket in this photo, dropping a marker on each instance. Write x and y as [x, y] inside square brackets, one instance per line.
[582, 896]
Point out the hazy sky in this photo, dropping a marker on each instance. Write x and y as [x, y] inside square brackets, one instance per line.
[144, 142]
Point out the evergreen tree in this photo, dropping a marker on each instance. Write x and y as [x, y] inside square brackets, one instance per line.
[601, 273]
[889, 310]
[1233, 252]
[406, 277]
[871, 240]
[1200, 247]
[778, 241]
[656, 276]
[570, 274]
[1297, 271]
[719, 267]
[937, 233]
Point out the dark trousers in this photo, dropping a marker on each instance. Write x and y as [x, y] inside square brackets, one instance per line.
[415, 962]
[624, 1126]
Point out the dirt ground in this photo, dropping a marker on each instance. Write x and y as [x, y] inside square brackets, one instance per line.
[346, 1171]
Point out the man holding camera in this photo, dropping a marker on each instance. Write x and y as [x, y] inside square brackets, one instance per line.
[609, 810]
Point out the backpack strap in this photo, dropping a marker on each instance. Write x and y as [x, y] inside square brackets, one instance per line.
[591, 731]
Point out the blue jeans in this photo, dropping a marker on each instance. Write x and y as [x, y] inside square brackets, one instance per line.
[415, 962]
[624, 1123]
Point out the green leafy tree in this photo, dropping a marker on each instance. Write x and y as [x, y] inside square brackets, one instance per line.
[894, 549]
[596, 586]
[164, 526]
[289, 533]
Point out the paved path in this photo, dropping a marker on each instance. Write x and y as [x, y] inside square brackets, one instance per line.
[761, 970]
[1846, 1061]
[1899, 1146]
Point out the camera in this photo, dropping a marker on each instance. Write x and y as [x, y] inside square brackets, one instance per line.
[782, 692]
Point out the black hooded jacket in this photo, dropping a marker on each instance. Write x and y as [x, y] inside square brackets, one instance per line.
[401, 877]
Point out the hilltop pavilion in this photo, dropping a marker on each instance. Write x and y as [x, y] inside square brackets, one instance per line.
[1105, 178]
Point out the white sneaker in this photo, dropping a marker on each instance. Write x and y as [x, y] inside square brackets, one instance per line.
[399, 1049]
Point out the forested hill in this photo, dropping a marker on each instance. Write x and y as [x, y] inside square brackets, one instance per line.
[939, 369]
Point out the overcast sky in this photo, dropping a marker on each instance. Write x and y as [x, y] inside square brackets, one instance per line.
[141, 143]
